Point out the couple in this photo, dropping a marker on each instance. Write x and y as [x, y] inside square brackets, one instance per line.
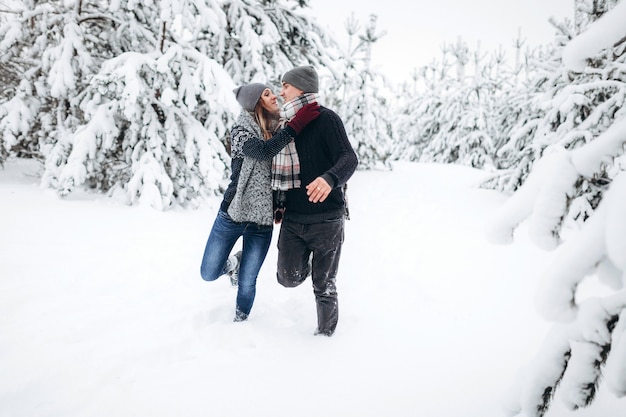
[288, 166]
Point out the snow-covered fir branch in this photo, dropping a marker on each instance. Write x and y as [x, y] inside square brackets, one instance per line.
[586, 227]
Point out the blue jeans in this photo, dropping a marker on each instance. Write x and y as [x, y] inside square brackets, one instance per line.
[256, 243]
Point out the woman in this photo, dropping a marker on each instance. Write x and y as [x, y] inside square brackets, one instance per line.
[247, 208]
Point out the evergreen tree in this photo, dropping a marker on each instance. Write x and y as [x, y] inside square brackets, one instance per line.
[57, 47]
[456, 118]
[260, 40]
[142, 137]
[468, 131]
[113, 96]
[134, 97]
[420, 103]
[357, 97]
[533, 125]
[574, 200]
[569, 110]
[9, 71]
[153, 120]
[546, 115]
[520, 113]
[44, 42]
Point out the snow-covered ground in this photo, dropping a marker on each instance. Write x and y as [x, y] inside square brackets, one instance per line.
[103, 312]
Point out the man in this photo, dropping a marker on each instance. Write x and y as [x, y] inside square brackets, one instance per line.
[313, 172]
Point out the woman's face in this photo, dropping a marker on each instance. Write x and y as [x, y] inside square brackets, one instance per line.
[269, 101]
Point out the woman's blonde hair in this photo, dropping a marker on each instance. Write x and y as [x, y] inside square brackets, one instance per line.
[268, 121]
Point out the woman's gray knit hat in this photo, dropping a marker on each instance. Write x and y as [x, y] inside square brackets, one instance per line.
[248, 95]
[303, 78]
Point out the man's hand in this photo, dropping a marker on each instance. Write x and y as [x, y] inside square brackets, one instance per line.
[318, 190]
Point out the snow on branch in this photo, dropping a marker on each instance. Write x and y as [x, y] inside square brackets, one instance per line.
[586, 340]
[602, 150]
[581, 342]
[604, 33]
[615, 373]
[542, 198]
[598, 248]
[143, 137]
[570, 360]
[16, 117]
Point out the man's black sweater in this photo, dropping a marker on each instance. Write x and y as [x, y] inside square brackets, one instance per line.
[324, 151]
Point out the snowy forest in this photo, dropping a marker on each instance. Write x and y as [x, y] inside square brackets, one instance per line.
[134, 100]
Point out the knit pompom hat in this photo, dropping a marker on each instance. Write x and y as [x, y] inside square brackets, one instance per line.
[303, 78]
[248, 95]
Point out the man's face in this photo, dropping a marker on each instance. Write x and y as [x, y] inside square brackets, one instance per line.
[289, 92]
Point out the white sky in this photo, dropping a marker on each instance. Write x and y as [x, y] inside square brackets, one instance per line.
[417, 29]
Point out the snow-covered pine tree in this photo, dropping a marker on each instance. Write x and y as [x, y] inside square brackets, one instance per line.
[257, 41]
[546, 116]
[519, 115]
[469, 111]
[82, 61]
[570, 110]
[9, 71]
[361, 97]
[419, 118]
[140, 136]
[462, 117]
[57, 46]
[580, 178]
[513, 103]
[17, 110]
[46, 43]
[533, 125]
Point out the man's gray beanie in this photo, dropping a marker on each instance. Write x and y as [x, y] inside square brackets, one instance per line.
[303, 78]
[248, 95]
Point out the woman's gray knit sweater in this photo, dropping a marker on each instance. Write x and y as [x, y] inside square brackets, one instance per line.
[247, 142]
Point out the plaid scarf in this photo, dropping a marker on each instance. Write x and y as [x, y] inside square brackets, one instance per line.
[286, 165]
